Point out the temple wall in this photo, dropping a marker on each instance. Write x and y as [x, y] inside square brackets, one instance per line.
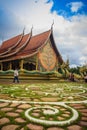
[47, 58]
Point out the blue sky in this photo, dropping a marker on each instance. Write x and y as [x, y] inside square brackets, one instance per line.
[70, 23]
[69, 8]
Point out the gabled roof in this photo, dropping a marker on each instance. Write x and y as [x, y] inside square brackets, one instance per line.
[35, 43]
[14, 50]
[9, 44]
[23, 46]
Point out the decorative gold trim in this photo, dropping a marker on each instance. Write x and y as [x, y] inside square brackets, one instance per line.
[10, 66]
[21, 57]
[37, 62]
[21, 64]
[47, 57]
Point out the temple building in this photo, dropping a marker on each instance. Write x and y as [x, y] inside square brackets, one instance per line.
[28, 52]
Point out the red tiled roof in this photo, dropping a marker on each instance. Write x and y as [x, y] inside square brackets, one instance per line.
[32, 45]
[35, 42]
[9, 43]
[27, 46]
[19, 47]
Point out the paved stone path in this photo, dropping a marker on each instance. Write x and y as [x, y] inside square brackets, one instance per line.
[12, 118]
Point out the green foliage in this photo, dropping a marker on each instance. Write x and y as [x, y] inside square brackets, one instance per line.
[75, 70]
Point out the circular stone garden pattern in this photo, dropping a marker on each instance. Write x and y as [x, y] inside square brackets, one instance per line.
[50, 115]
[53, 100]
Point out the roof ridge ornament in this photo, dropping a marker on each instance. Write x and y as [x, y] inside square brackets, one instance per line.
[52, 25]
[23, 30]
[31, 30]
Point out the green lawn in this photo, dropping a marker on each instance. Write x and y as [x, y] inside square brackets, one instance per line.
[63, 91]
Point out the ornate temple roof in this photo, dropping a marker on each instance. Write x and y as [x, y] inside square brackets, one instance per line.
[23, 46]
[11, 43]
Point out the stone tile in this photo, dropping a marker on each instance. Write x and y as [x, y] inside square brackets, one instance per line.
[67, 112]
[12, 114]
[6, 109]
[36, 114]
[4, 121]
[79, 107]
[84, 114]
[42, 118]
[49, 99]
[64, 100]
[57, 107]
[14, 104]
[20, 120]
[36, 111]
[84, 118]
[55, 128]
[19, 110]
[35, 127]
[24, 106]
[76, 105]
[60, 118]
[36, 100]
[10, 127]
[22, 129]
[83, 123]
[3, 104]
[50, 119]
[74, 127]
[37, 105]
[63, 109]
[65, 115]
[83, 110]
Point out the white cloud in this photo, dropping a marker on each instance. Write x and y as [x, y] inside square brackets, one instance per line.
[34, 13]
[70, 35]
[73, 66]
[83, 60]
[75, 6]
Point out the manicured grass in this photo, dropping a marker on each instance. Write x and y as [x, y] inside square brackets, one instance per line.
[63, 91]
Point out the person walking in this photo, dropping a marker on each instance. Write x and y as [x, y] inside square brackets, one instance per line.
[16, 74]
